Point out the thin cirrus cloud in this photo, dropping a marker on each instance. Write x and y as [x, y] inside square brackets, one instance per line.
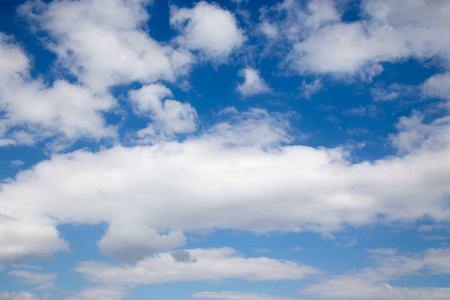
[237, 296]
[373, 283]
[18, 296]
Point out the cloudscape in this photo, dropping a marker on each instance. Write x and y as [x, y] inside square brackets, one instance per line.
[229, 149]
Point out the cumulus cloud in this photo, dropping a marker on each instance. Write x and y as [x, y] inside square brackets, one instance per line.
[34, 110]
[253, 84]
[63, 108]
[207, 28]
[107, 46]
[206, 264]
[320, 42]
[130, 242]
[168, 116]
[13, 60]
[20, 238]
[373, 283]
[414, 133]
[437, 86]
[249, 181]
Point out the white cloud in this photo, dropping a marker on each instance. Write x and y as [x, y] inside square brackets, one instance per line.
[20, 238]
[42, 281]
[13, 60]
[414, 133]
[18, 296]
[269, 30]
[373, 283]
[168, 116]
[237, 296]
[130, 242]
[207, 28]
[34, 110]
[63, 108]
[437, 86]
[392, 92]
[253, 84]
[383, 251]
[438, 260]
[100, 293]
[389, 31]
[206, 264]
[238, 168]
[106, 47]
[309, 89]
[253, 128]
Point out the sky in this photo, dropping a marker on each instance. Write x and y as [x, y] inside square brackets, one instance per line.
[224, 150]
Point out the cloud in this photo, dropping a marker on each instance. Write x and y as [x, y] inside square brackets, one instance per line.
[438, 260]
[370, 111]
[319, 42]
[297, 248]
[100, 293]
[383, 251]
[168, 117]
[16, 163]
[414, 133]
[63, 108]
[42, 281]
[18, 296]
[437, 86]
[237, 296]
[34, 110]
[206, 264]
[207, 28]
[130, 242]
[253, 83]
[393, 92]
[252, 128]
[106, 47]
[373, 283]
[309, 89]
[13, 60]
[182, 256]
[227, 178]
[20, 238]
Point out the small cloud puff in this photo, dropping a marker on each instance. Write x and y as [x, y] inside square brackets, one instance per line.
[253, 83]
[207, 28]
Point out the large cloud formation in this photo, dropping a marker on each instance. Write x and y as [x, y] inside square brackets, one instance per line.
[244, 173]
[215, 181]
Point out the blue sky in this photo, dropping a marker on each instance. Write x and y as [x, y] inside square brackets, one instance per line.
[235, 149]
